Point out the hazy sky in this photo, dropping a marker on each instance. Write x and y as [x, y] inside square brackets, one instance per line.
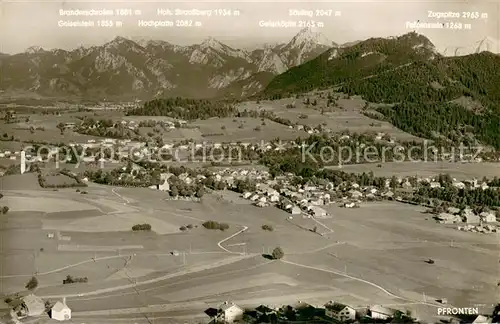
[35, 23]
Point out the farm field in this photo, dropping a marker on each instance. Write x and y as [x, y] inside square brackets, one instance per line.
[44, 129]
[347, 117]
[244, 129]
[375, 254]
[461, 171]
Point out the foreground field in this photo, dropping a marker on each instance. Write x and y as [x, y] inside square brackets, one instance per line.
[371, 255]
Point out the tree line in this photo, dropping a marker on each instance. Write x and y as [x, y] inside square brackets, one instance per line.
[183, 108]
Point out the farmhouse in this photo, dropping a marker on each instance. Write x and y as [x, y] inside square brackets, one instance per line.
[60, 311]
[261, 204]
[446, 218]
[264, 310]
[227, 312]
[339, 312]
[471, 218]
[294, 210]
[379, 312]
[31, 306]
[488, 217]
[247, 195]
[435, 185]
[317, 211]
[355, 194]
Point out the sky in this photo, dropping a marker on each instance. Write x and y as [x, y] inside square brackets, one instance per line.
[35, 23]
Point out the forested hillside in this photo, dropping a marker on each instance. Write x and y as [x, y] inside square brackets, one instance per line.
[407, 72]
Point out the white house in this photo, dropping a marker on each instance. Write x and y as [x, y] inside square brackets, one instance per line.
[274, 198]
[480, 319]
[446, 218]
[261, 204]
[435, 184]
[60, 311]
[295, 210]
[247, 195]
[229, 312]
[317, 211]
[340, 312]
[379, 312]
[488, 217]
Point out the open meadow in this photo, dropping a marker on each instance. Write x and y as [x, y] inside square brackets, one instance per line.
[347, 116]
[460, 171]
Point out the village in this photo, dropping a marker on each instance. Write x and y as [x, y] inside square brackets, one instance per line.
[282, 191]
[32, 306]
[164, 184]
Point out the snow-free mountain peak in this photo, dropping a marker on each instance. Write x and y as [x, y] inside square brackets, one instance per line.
[304, 46]
[123, 43]
[308, 35]
[213, 43]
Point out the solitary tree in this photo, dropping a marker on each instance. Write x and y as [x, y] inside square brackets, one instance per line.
[32, 284]
[60, 126]
[199, 193]
[5, 210]
[277, 253]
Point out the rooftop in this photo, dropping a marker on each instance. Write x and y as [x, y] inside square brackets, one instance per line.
[336, 307]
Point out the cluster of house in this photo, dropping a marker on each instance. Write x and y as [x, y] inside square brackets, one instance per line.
[33, 306]
[229, 312]
[309, 199]
[228, 176]
[469, 184]
[483, 228]
[263, 196]
[455, 215]
[13, 155]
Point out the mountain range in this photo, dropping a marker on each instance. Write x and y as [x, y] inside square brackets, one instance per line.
[126, 69]
[144, 69]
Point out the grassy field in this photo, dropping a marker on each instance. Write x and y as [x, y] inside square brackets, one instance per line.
[347, 116]
[27, 181]
[371, 255]
[59, 180]
[460, 171]
[250, 130]
[388, 243]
